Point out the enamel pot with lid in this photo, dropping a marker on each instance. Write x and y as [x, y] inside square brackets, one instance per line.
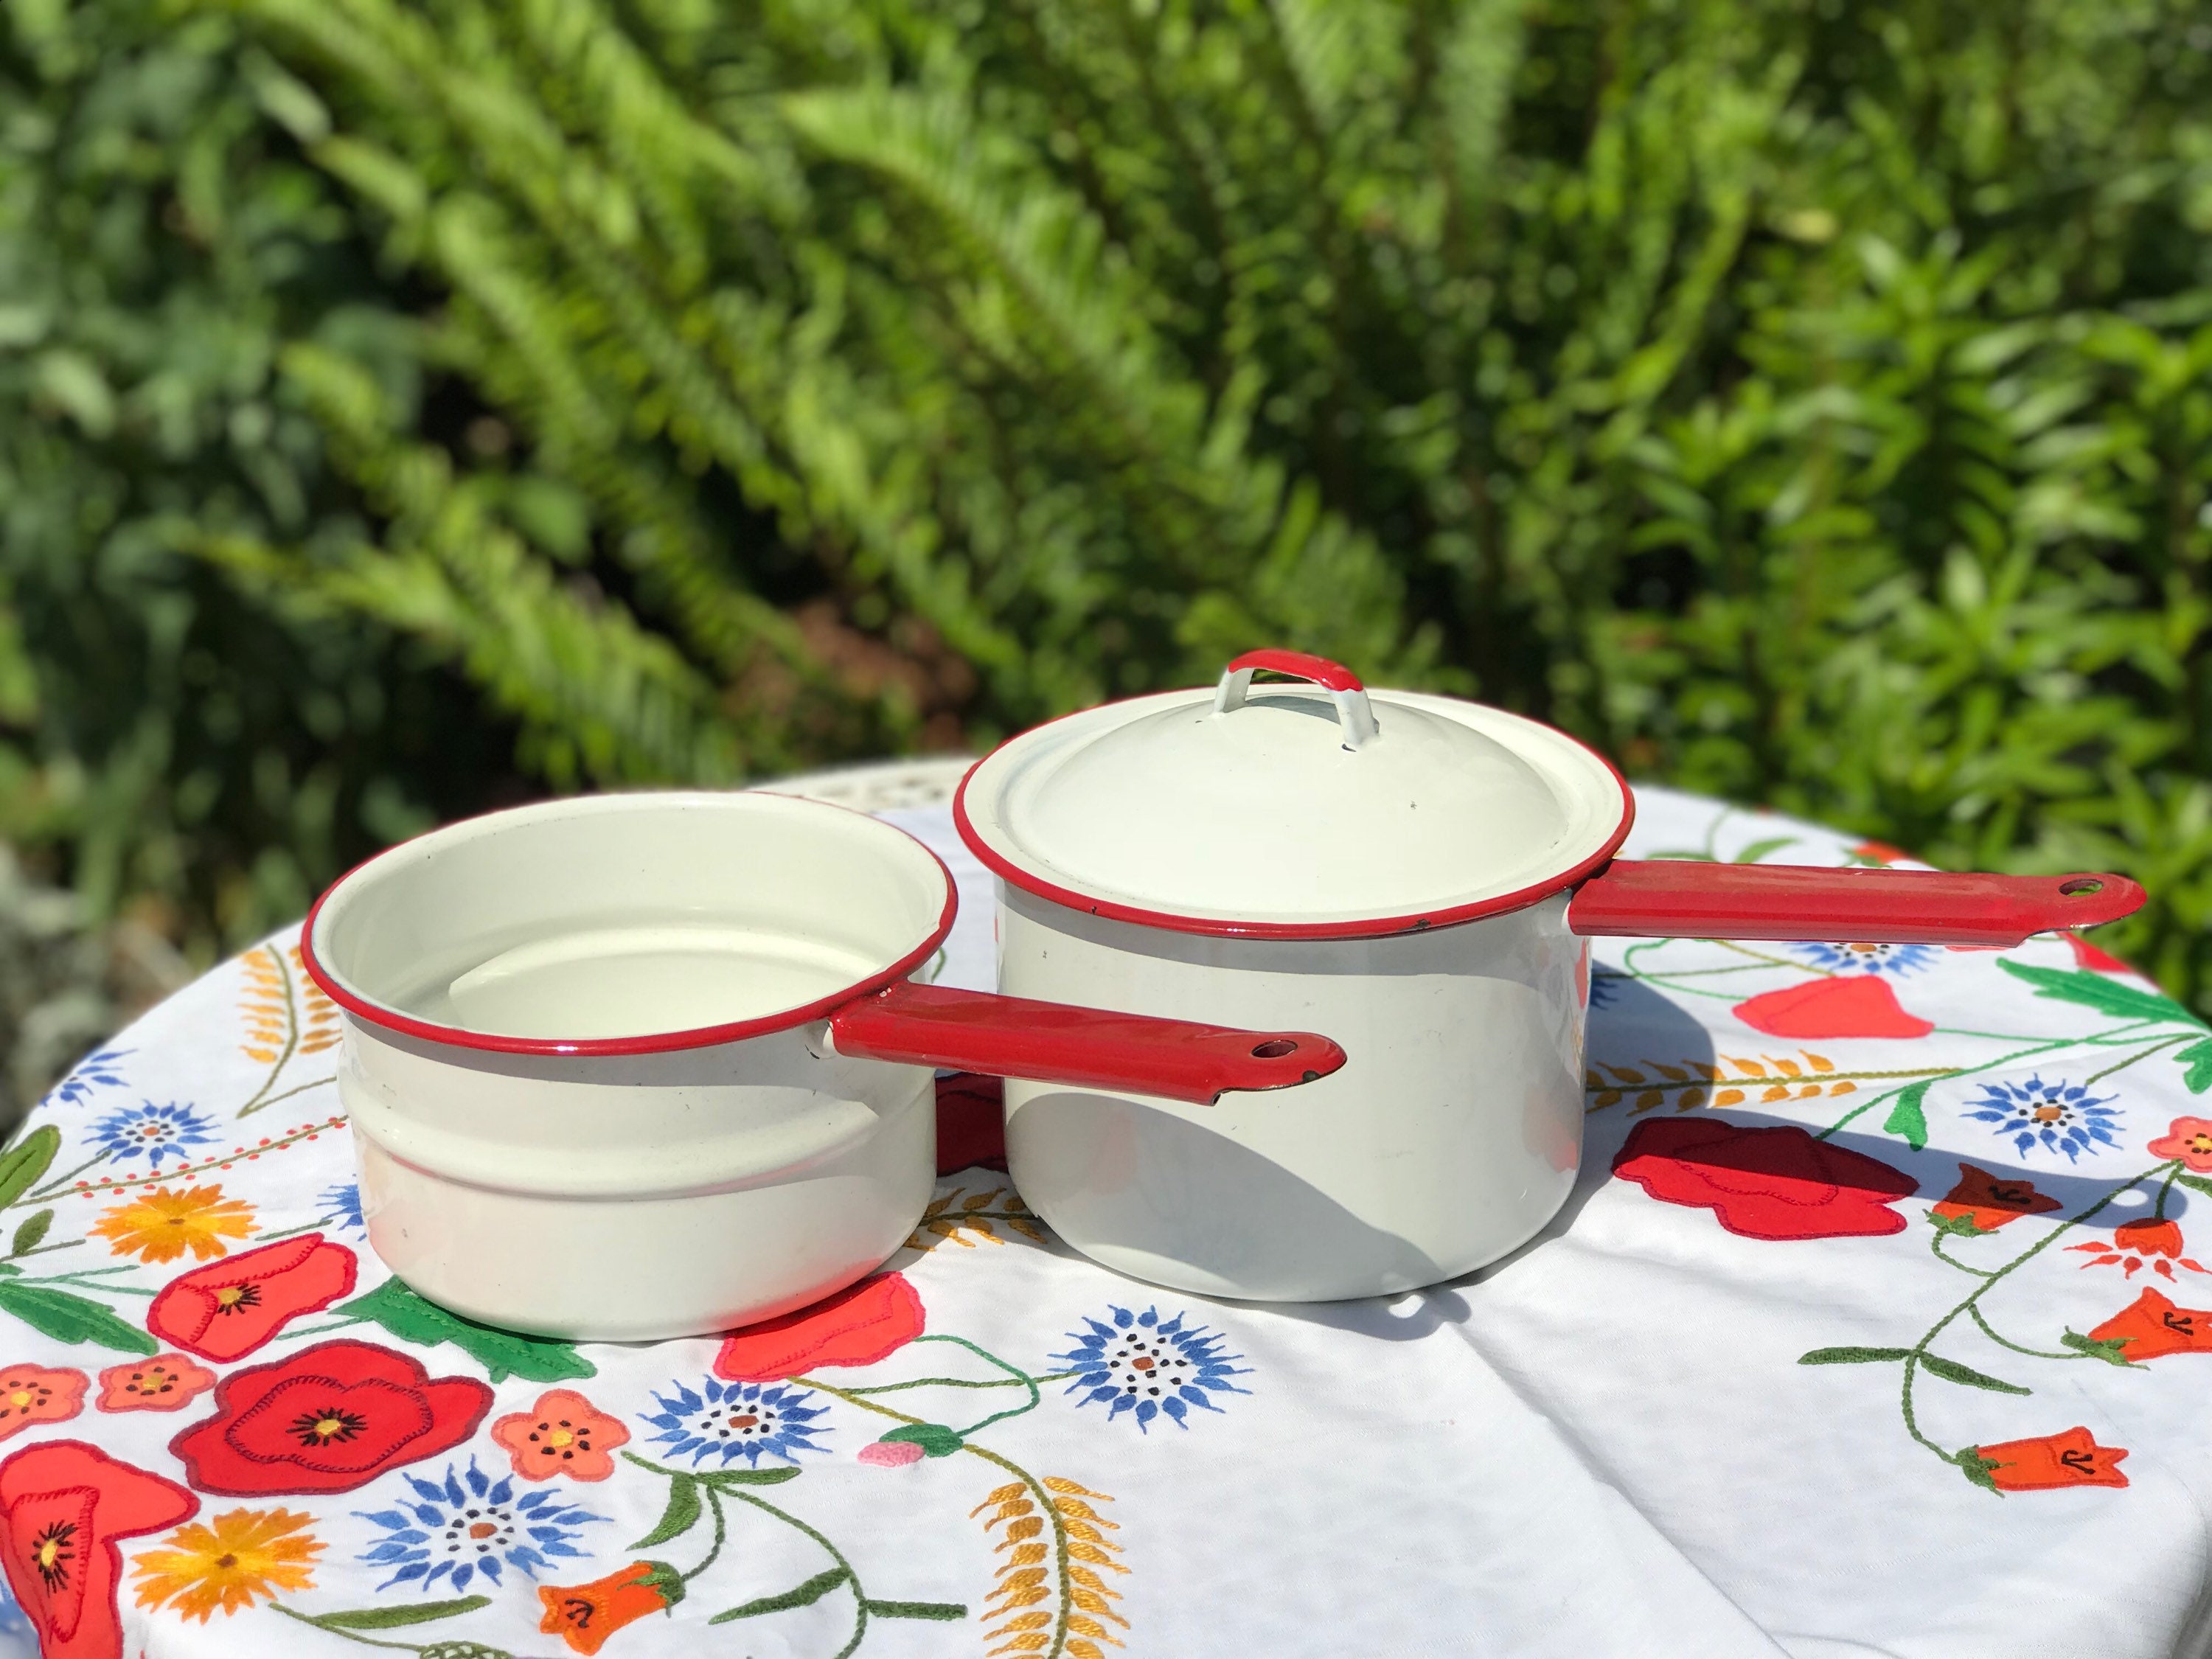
[1414, 874]
[643, 1066]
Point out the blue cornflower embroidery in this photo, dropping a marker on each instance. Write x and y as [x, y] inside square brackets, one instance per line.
[342, 1204]
[1147, 1365]
[1894, 960]
[1605, 987]
[735, 1420]
[2060, 1117]
[152, 1132]
[13, 1622]
[469, 1525]
[94, 1074]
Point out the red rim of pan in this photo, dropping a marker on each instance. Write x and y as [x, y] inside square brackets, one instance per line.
[1365, 927]
[650, 1042]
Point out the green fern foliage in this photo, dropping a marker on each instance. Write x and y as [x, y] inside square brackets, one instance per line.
[1806, 403]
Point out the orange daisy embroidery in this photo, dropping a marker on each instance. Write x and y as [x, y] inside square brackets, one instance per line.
[29, 1394]
[162, 1224]
[166, 1382]
[228, 1562]
[562, 1434]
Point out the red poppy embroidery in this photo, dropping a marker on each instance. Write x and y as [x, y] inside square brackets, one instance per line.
[227, 1309]
[1840, 1005]
[971, 1122]
[2087, 955]
[2052, 1460]
[1989, 1201]
[2152, 1326]
[327, 1418]
[860, 1325]
[1777, 1183]
[63, 1505]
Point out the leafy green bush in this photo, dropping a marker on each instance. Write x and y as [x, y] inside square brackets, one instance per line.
[1805, 402]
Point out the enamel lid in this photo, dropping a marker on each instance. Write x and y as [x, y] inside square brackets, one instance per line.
[1298, 812]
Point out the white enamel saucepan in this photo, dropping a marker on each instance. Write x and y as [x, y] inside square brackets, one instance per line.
[631, 1067]
[1411, 873]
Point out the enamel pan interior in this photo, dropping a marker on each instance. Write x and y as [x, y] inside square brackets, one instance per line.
[629, 924]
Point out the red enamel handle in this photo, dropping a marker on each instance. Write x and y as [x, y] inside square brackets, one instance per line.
[1353, 712]
[1301, 665]
[1090, 1048]
[1668, 899]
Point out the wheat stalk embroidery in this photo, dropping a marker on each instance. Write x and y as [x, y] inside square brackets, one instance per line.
[286, 1017]
[1050, 1598]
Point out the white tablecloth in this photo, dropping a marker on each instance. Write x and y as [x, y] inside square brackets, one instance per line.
[1881, 1340]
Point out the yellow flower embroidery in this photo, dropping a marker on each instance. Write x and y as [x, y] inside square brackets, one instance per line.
[228, 1562]
[168, 1221]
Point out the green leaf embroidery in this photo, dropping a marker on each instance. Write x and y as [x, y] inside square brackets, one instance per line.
[1976, 1468]
[1966, 1376]
[1759, 849]
[67, 1318]
[1852, 1356]
[1908, 1117]
[727, 1478]
[933, 1438]
[501, 1353]
[2196, 1184]
[28, 1234]
[663, 1577]
[1959, 1226]
[2112, 1350]
[812, 1590]
[678, 1518]
[20, 1169]
[2097, 991]
[412, 1612]
[2197, 1057]
[945, 1612]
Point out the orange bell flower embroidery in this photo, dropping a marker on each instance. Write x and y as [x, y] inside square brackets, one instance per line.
[30, 1394]
[2152, 1326]
[563, 1433]
[166, 1382]
[585, 1615]
[1988, 1201]
[2190, 1139]
[2050, 1461]
[2137, 1242]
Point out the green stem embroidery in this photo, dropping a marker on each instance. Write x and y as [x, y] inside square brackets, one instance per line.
[53, 1187]
[2122, 1065]
[1990, 1332]
[1045, 1506]
[1919, 1354]
[2165, 1187]
[1935, 1244]
[297, 1089]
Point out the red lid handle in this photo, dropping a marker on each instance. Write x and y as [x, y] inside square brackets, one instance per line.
[1342, 685]
[1300, 664]
[1089, 1047]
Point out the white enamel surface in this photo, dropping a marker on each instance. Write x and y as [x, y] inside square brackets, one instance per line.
[1450, 1137]
[625, 915]
[632, 1197]
[1260, 812]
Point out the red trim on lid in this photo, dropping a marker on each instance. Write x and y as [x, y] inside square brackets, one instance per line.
[1416, 921]
[650, 1042]
[1334, 676]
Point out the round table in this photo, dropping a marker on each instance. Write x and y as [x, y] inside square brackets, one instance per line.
[1876, 1323]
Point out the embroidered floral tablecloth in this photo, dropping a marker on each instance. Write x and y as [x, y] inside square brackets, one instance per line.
[1875, 1325]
